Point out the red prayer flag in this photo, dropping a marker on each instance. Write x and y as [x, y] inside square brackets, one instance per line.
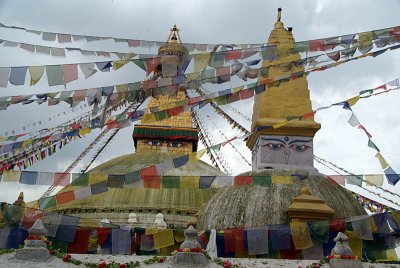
[238, 234]
[152, 63]
[233, 54]
[102, 235]
[63, 198]
[70, 72]
[194, 100]
[233, 97]
[148, 171]
[317, 45]
[337, 225]
[62, 179]
[339, 179]
[382, 86]
[395, 32]
[149, 84]
[245, 94]
[81, 242]
[229, 241]
[79, 95]
[223, 71]
[175, 111]
[133, 43]
[30, 217]
[308, 115]
[365, 130]
[151, 182]
[243, 180]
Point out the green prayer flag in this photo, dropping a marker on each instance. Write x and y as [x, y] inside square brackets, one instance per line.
[139, 63]
[62, 246]
[354, 179]
[47, 202]
[54, 75]
[221, 100]
[372, 145]
[161, 115]
[320, 230]
[265, 181]
[80, 180]
[169, 182]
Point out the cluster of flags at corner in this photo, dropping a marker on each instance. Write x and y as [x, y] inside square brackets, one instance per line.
[369, 235]
[371, 205]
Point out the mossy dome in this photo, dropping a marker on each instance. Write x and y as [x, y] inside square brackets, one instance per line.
[253, 206]
[189, 200]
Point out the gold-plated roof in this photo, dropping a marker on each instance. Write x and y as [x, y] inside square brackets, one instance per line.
[288, 99]
[173, 45]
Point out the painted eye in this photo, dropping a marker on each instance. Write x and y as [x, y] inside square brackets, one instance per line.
[299, 148]
[273, 146]
[174, 144]
[154, 143]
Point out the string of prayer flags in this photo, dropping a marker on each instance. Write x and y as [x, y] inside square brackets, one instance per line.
[257, 240]
[300, 235]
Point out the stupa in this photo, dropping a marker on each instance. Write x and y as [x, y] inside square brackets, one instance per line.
[285, 151]
[155, 142]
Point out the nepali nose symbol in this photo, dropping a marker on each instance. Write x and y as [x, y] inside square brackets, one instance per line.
[287, 154]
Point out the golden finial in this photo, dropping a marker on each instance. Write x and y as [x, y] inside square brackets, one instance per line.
[279, 14]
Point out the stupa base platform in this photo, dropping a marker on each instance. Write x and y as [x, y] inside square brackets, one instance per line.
[32, 254]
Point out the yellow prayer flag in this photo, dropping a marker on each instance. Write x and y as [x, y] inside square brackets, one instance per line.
[36, 73]
[193, 76]
[374, 179]
[366, 38]
[94, 178]
[25, 143]
[119, 63]
[122, 88]
[281, 179]
[11, 176]
[355, 243]
[85, 131]
[382, 160]
[391, 255]
[189, 182]
[148, 118]
[201, 61]
[280, 124]
[3, 138]
[163, 238]
[353, 100]
[193, 157]
[301, 235]
[237, 89]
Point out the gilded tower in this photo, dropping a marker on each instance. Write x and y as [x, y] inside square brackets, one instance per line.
[291, 145]
[174, 134]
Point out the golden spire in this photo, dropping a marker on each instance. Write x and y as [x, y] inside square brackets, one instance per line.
[287, 99]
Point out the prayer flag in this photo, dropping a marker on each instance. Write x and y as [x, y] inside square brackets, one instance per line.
[262, 181]
[31, 215]
[49, 36]
[45, 178]
[170, 182]
[115, 181]
[374, 179]
[365, 41]
[163, 238]
[354, 179]
[80, 179]
[301, 236]
[181, 161]
[152, 64]
[36, 73]
[4, 74]
[279, 179]
[353, 121]
[121, 241]
[87, 69]
[67, 228]
[392, 177]
[257, 240]
[280, 124]
[61, 179]
[82, 192]
[17, 75]
[51, 221]
[320, 230]
[54, 75]
[133, 180]
[65, 197]
[317, 45]
[57, 52]
[64, 38]
[97, 177]
[339, 179]
[11, 176]
[382, 160]
[164, 167]
[269, 53]
[80, 242]
[189, 182]
[280, 236]
[315, 252]
[243, 180]
[99, 187]
[233, 54]
[221, 181]
[151, 182]
[206, 181]
[372, 145]
[381, 222]
[70, 72]
[353, 100]
[362, 227]
[201, 61]
[29, 177]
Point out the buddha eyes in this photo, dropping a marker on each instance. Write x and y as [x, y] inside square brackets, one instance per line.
[279, 146]
[154, 143]
[174, 144]
[274, 146]
[299, 148]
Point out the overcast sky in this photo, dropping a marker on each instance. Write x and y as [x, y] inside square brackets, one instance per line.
[209, 21]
